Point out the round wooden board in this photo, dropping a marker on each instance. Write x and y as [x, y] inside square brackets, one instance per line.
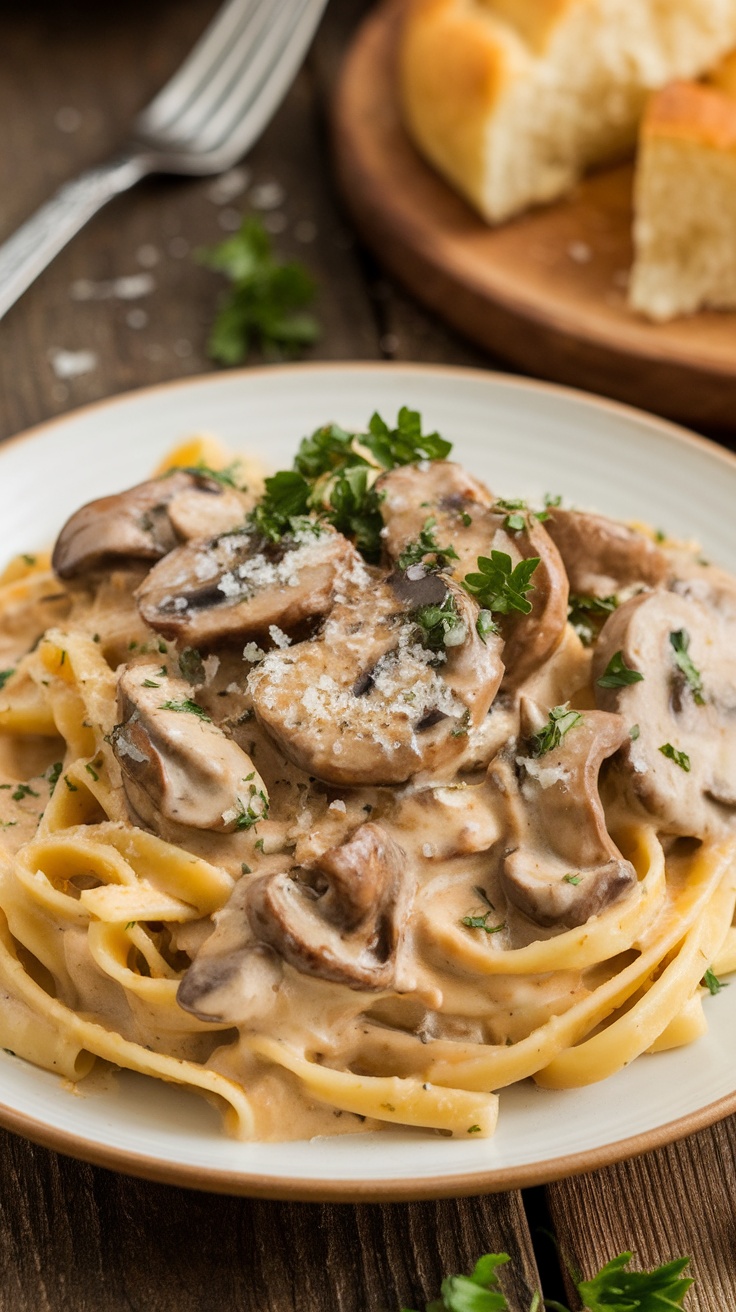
[546, 291]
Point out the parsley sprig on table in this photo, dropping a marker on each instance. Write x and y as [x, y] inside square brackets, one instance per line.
[613, 1289]
[334, 476]
[266, 305]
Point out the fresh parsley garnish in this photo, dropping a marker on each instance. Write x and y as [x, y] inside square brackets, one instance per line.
[680, 758]
[588, 614]
[481, 922]
[266, 305]
[680, 643]
[613, 1289]
[257, 809]
[552, 500]
[712, 983]
[72, 787]
[561, 721]
[572, 879]
[499, 587]
[440, 626]
[23, 790]
[150, 683]
[225, 476]
[4, 676]
[53, 776]
[426, 545]
[191, 666]
[185, 705]
[618, 674]
[485, 624]
[90, 768]
[334, 475]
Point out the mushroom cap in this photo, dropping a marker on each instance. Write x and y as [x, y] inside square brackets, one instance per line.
[342, 919]
[467, 518]
[239, 584]
[699, 801]
[364, 701]
[175, 765]
[602, 556]
[561, 866]
[145, 522]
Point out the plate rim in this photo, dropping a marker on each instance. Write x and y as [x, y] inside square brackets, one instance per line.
[404, 1189]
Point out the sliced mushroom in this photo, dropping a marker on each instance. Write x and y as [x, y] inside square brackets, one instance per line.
[561, 866]
[239, 584]
[364, 701]
[466, 518]
[176, 765]
[233, 977]
[690, 788]
[342, 918]
[601, 556]
[145, 522]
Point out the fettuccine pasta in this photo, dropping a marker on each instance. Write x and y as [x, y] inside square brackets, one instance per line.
[350, 800]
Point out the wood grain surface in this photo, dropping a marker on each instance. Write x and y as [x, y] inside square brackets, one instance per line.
[546, 291]
[76, 1238]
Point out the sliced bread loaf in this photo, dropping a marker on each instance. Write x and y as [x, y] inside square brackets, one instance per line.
[685, 204]
[512, 100]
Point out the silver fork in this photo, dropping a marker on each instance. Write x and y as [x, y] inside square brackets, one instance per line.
[205, 119]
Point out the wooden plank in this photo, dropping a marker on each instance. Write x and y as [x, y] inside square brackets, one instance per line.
[676, 1202]
[74, 1238]
[79, 1239]
[102, 69]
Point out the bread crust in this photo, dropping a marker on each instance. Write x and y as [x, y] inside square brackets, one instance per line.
[690, 112]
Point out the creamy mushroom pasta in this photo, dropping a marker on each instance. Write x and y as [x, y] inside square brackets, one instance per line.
[353, 797]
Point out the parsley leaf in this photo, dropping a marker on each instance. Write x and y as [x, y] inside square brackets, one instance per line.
[561, 721]
[426, 545]
[225, 476]
[185, 705]
[680, 758]
[587, 615]
[480, 922]
[712, 983]
[54, 773]
[615, 1289]
[499, 588]
[680, 642]
[405, 443]
[572, 879]
[4, 676]
[334, 475]
[265, 306]
[256, 809]
[23, 790]
[440, 626]
[618, 674]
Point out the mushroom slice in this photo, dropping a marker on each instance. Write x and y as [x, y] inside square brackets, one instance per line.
[602, 556]
[145, 523]
[366, 701]
[239, 584]
[176, 765]
[463, 515]
[342, 918]
[690, 787]
[563, 866]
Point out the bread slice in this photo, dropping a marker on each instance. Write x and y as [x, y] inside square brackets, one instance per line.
[685, 204]
[512, 100]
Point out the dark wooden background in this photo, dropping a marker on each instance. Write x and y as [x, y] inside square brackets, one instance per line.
[76, 1238]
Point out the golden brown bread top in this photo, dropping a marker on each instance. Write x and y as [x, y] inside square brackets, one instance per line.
[534, 20]
[690, 112]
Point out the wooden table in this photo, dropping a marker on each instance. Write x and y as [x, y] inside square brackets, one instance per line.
[75, 1238]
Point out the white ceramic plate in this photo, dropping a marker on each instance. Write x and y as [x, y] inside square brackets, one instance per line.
[523, 439]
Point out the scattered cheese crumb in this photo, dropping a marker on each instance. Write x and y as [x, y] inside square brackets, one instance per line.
[278, 637]
[338, 805]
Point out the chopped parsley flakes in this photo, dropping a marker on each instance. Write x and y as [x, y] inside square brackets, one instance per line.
[561, 721]
[712, 983]
[426, 545]
[186, 705]
[618, 674]
[680, 758]
[440, 626]
[588, 614]
[4, 676]
[680, 643]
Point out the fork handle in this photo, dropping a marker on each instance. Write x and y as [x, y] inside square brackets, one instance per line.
[24, 255]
